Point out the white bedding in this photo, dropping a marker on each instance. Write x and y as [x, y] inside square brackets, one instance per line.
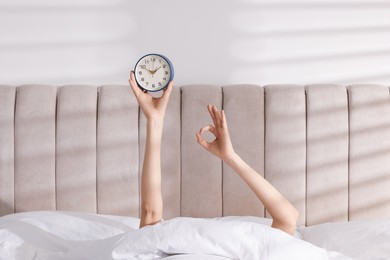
[361, 240]
[65, 235]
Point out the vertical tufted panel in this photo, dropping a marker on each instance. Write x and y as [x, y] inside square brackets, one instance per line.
[7, 109]
[369, 173]
[244, 110]
[327, 154]
[201, 171]
[76, 148]
[170, 154]
[41, 162]
[35, 148]
[285, 142]
[117, 152]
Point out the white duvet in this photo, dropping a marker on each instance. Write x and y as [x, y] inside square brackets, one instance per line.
[65, 235]
[361, 240]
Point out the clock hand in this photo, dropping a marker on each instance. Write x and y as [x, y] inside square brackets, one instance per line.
[154, 71]
[144, 67]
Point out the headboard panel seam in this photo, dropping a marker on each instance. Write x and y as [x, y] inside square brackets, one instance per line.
[349, 147]
[358, 123]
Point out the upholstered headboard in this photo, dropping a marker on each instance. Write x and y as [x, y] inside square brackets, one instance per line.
[80, 148]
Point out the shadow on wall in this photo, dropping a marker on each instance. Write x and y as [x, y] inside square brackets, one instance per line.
[219, 42]
[228, 42]
[65, 42]
[314, 42]
[365, 151]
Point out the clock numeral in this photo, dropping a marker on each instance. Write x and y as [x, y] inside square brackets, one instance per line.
[146, 62]
[153, 59]
[147, 83]
[142, 79]
[142, 66]
[166, 72]
[153, 86]
[164, 66]
[159, 84]
[140, 72]
[160, 60]
[164, 78]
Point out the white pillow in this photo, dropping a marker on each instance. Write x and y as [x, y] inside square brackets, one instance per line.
[259, 220]
[74, 226]
[360, 240]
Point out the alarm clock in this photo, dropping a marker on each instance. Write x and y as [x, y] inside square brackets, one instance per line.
[153, 72]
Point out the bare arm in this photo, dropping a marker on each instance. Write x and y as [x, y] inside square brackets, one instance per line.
[283, 213]
[154, 110]
[151, 198]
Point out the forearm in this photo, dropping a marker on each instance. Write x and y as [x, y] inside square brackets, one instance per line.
[281, 210]
[284, 214]
[151, 172]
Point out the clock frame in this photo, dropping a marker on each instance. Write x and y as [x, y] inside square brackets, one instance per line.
[153, 72]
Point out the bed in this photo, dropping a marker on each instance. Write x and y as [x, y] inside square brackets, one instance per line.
[71, 156]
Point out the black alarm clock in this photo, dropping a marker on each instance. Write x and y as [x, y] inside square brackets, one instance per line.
[153, 72]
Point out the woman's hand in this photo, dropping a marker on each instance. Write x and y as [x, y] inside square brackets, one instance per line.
[283, 213]
[153, 108]
[221, 146]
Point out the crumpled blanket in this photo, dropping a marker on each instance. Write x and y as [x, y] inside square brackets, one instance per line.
[179, 238]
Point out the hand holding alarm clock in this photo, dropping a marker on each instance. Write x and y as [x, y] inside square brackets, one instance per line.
[150, 75]
[153, 72]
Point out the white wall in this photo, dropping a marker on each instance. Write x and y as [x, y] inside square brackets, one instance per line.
[209, 41]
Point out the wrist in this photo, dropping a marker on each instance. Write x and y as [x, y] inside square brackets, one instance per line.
[232, 159]
[154, 131]
[155, 123]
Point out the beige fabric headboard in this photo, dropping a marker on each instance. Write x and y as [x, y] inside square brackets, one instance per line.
[80, 148]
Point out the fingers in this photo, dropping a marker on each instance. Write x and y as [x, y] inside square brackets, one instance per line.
[218, 119]
[137, 91]
[169, 87]
[209, 128]
[167, 93]
[201, 140]
[132, 77]
[210, 109]
[224, 123]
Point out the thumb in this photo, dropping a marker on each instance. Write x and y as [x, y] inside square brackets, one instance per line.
[167, 93]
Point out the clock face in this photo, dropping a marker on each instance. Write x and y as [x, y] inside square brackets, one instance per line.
[153, 72]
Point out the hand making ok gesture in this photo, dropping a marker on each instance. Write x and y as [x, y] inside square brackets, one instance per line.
[221, 146]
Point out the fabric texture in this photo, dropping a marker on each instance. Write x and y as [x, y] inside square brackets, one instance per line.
[327, 154]
[7, 110]
[80, 148]
[76, 235]
[35, 148]
[117, 155]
